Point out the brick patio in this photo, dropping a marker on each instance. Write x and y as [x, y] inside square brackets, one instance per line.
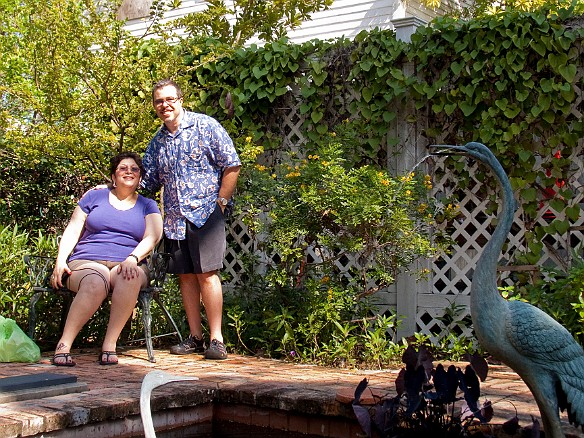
[303, 398]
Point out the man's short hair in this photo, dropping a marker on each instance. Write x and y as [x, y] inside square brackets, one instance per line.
[165, 83]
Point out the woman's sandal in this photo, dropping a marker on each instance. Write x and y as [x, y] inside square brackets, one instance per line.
[67, 362]
[107, 360]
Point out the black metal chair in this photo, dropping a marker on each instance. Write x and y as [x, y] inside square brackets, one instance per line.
[41, 267]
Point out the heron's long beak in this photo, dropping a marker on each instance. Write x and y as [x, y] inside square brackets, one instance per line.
[446, 149]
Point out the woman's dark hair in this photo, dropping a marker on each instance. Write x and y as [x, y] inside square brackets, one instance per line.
[115, 161]
[165, 83]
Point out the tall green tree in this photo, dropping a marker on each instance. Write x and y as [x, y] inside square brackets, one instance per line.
[240, 21]
[74, 83]
[75, 87]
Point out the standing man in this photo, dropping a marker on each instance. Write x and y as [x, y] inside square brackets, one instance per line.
[193, 158]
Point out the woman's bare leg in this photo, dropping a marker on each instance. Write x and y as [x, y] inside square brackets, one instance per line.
[124, 297]
[90, 282]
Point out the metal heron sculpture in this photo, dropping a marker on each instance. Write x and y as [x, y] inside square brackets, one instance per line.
[539, 349]
[153, 380]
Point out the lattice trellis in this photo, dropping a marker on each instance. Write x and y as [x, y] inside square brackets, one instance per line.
[451, 274]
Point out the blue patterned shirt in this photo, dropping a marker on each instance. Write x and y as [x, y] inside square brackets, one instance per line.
[189, 164]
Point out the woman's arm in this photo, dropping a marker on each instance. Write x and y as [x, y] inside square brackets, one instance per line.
[152, 236]
[69, 239]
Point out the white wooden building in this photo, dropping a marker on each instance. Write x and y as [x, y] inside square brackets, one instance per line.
[345, 18]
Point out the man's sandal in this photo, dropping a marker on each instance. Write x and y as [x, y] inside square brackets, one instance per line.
[106, 360]
[67, 362]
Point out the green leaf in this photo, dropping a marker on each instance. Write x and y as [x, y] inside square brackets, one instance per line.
[517, 183]
[557, 204]
[438, 107]
[319, 78]
[536, 110]
[524, 155]
[252, 87]
[304, 108]
[456, 67]
[388, 116]
[307, 91]
[557, 60]
[502, 103]
[544, 101]
[568, 72]
[529, 194]
[573, 212]
[549, 116]
[511, 111]
[322, 129]
[467, 108]
[521, 95]
[367, 94]
[258, 72]
[316, 116]
[561, 226]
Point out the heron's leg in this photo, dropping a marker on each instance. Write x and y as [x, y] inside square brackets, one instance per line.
[544, 392]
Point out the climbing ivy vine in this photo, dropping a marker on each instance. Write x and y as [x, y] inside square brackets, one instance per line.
[507, 80]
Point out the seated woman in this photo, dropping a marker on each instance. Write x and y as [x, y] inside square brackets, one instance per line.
[102, 250]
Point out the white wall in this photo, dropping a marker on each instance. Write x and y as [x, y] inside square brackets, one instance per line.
[345, 18]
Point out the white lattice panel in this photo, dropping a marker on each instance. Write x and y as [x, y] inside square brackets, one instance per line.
[451, 274]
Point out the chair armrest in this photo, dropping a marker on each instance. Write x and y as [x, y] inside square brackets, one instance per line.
[158, 266]
[40, 269]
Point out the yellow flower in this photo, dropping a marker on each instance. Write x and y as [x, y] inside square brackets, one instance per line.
[248, 139]
[385, 182]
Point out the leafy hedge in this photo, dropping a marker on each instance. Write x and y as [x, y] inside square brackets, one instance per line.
[509, 81]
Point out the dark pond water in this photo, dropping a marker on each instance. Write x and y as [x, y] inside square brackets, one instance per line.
[229, 430]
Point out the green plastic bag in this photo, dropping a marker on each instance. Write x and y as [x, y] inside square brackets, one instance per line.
[15, 345]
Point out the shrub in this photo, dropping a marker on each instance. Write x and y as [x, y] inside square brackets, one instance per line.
[560, 294]
[15, 287]
[315, 211]
[13, 277]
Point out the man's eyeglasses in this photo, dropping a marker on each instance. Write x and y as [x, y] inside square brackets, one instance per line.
[168, 100]
[124, 169]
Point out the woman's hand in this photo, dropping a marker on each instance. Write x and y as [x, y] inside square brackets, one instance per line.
[129, 268]
[58, 273]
